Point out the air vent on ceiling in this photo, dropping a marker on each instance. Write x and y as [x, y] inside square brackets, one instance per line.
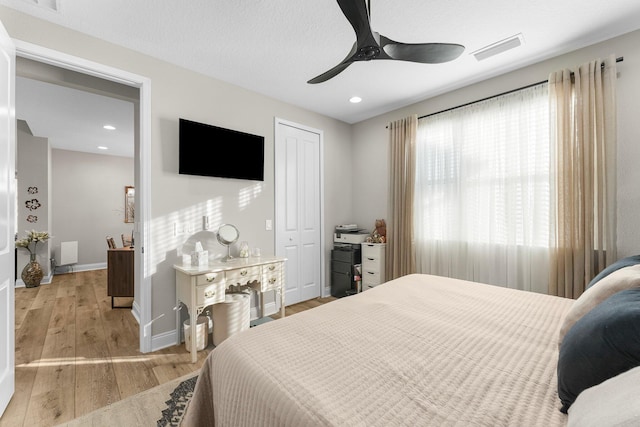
[499, 47]
[45, 4]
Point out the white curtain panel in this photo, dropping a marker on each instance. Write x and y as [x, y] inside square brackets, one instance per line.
[482, 196]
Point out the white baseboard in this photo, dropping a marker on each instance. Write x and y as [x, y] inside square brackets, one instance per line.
[135, 310]
[163, 340]
[81, 267]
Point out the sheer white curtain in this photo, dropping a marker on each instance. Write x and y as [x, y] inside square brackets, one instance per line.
[482, 197]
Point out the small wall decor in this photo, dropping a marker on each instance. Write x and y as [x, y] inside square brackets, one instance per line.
[32, 204]
[32, 218]
[32, 190]
[129, 204]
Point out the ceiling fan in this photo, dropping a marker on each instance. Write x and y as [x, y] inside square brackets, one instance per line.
[371, 45]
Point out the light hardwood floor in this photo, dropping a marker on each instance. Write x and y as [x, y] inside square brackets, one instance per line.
[75, 354]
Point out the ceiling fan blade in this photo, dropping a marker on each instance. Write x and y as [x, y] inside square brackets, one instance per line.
[348, 60]
[331, 73]
[356, 13]
[425, 53]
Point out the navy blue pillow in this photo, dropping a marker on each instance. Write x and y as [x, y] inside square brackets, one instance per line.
[621, 263]
[605, 342]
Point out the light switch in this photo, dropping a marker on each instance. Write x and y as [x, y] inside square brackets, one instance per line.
[268, 225]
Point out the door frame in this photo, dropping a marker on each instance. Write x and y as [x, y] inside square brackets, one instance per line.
[278, 210]
[7, 247]
[142, 226]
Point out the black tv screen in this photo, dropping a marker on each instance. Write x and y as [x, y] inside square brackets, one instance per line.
[208, 150]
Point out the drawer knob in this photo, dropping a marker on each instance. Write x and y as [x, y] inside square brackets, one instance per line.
[371, 259]
[243, 272]
[272, 280]
[272, 267]
[211, 278]
[370, 272]
[209, 294]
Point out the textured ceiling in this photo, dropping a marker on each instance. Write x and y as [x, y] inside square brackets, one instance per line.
[274, 47]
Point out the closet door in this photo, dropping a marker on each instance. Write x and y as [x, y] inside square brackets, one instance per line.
[298, 209]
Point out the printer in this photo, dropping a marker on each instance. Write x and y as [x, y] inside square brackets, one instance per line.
[350, 233]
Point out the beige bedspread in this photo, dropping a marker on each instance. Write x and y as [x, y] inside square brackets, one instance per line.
[418, 351]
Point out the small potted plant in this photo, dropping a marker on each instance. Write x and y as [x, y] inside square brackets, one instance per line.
[32, 272]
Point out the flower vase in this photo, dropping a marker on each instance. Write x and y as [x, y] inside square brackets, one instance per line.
[32, 273]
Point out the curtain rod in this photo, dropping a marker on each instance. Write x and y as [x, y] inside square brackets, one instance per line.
[619, 59]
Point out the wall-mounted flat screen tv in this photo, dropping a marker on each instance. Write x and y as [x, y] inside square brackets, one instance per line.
[208, 150]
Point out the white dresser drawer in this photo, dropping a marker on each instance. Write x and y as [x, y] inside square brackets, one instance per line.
[367, 286]
[243, 275]
[373, 264]
[275, 267]
[210, 294]
[271, 276]
[271, 281]
[371, 278]
[373, 250]
[209, 278]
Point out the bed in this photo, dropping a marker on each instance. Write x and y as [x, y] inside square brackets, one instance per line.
[420, 350]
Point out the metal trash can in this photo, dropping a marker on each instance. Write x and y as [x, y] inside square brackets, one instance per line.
[202, 333]
[231, 316]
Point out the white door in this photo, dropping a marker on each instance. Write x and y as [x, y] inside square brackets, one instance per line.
[299, 209]
[7, 217]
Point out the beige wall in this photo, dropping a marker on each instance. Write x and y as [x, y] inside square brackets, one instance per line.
[370, 137]
[33, 171]
[175, 93]
[88, 202]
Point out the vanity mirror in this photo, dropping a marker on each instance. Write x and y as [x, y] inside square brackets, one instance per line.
[228, 234]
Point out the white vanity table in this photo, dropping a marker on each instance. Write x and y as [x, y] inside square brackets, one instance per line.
[198, 287]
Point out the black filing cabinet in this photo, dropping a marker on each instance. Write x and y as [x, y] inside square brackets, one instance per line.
[344, 259]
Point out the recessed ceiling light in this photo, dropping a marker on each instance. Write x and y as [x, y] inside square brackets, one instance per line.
[102, 147]
[355, 99]
[109, 127]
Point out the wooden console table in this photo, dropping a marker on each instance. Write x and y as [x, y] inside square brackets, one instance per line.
[120, 275]
[198, 287]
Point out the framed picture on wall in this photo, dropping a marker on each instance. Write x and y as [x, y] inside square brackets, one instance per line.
[129, 204]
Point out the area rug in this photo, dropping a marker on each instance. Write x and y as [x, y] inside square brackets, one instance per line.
[162, 405]
[177, 405]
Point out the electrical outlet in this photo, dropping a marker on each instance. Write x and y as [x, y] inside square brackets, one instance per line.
[268, 225]
[205, 222]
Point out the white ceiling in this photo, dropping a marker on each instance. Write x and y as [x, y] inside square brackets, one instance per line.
[274, 47]
[73, 119]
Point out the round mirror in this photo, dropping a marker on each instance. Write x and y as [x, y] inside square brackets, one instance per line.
[227, 235]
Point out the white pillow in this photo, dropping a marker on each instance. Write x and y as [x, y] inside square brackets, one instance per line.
[613, 403]
[619, 280]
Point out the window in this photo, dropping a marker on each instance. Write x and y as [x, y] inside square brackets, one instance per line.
[482, 187]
